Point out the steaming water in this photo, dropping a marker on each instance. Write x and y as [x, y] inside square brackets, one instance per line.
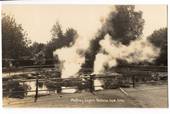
[33, 87]
[69, 90]
[98, 84]
[64, 89]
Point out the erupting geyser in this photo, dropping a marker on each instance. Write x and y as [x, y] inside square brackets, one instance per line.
[71, 61]
[104, 50]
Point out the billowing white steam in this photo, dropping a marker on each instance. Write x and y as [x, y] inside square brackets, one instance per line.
[138, 51]
[102, 60]
[71, 59]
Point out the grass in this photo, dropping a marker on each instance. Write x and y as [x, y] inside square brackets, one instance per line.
[142, 96]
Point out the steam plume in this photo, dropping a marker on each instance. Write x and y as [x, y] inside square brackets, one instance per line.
[102, 51]
[73, 57]
[137, 51]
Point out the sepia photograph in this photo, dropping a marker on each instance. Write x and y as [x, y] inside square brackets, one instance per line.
[84, 56]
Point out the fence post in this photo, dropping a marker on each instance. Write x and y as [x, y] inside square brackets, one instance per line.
[133, 78]
[36, 91]
[59, 87]
[91, 83]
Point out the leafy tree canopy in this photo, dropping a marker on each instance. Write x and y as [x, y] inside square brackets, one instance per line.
[14, 39]
[159, 39]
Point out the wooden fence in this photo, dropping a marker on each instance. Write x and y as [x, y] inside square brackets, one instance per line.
[131, 76]
[90, 80]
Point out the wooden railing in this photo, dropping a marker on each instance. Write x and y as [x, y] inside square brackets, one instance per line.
[89, 79]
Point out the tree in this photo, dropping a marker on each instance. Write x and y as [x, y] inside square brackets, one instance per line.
[38, 55]
[124, 25]
[56, 31]
[36, 48]
[159, 39]
[70, 37]
[14, 39]
[60, 39]
[40, 58]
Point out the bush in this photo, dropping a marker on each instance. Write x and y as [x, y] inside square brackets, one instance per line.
[14, 89]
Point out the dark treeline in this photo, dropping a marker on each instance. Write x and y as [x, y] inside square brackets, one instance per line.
[22, 52]
[123, 25]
